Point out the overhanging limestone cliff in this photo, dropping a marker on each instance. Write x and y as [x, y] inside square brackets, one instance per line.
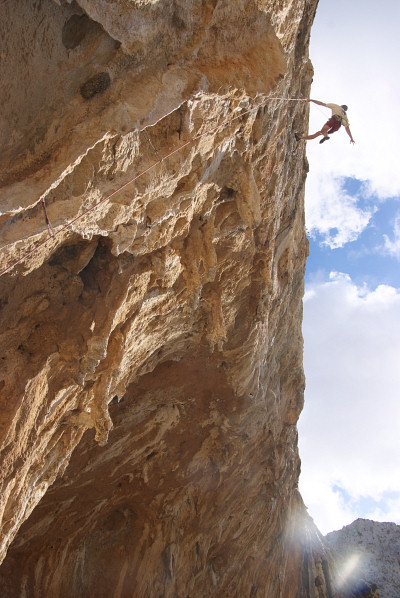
[151, 368]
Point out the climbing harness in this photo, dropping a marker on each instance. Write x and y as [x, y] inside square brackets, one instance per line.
[54, 233]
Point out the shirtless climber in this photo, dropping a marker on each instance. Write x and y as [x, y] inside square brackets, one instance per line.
[338, 118]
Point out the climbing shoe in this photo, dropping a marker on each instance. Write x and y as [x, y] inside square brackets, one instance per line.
[324, 139]
[297, 137]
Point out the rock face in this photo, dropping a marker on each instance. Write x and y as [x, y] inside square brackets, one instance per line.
[151, 352]
[372, 550]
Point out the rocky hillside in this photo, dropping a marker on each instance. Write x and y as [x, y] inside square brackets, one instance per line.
[373, 551]
[152, 259]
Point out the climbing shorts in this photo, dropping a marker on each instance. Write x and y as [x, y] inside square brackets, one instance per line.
[334, 124]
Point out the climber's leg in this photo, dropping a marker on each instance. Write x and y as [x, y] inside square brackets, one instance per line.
[323, 132]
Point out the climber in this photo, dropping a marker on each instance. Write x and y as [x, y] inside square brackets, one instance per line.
[338, 118]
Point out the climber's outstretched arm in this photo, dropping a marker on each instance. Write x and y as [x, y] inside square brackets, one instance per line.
[349, 134]
[317, 102]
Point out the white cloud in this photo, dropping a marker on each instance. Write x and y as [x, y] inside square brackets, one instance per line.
[349, 430]
[355, 58]
[391, 512]
[392, 247]
[333, 213]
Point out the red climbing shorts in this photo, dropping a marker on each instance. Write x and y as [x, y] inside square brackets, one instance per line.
[334, 125]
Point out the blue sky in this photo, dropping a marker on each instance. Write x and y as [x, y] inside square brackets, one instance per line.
[349, 431]
[366, 258]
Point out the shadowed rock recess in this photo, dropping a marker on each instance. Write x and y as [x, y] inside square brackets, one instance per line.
[151, 352]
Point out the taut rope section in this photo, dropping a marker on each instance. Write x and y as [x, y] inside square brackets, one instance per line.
[53, 233]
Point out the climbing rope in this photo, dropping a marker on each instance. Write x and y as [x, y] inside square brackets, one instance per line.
[54, 233]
